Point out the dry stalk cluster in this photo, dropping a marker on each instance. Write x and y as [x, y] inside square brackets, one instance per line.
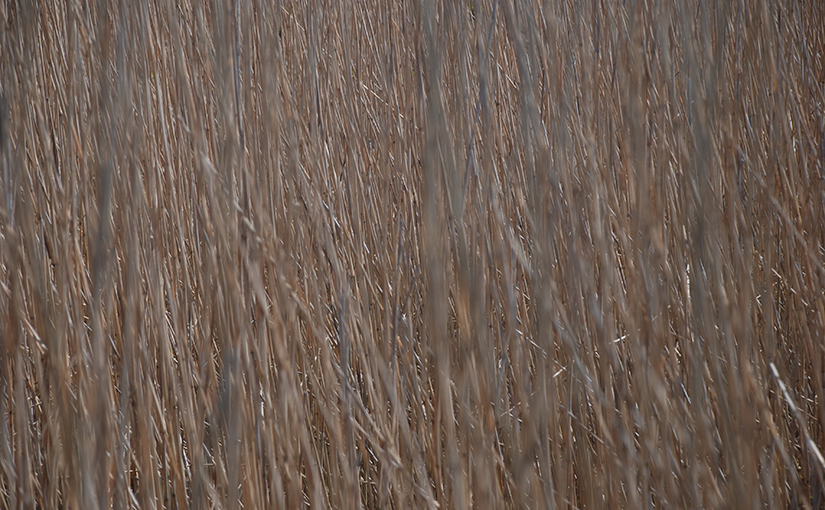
[419, 254]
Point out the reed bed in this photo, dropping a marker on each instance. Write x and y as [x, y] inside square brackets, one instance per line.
[426, 254]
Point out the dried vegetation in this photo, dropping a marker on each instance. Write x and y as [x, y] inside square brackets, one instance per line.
[418, 254]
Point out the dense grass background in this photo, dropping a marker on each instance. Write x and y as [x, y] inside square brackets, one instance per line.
[490, 254]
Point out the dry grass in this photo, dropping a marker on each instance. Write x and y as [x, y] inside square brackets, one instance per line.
[486, 254]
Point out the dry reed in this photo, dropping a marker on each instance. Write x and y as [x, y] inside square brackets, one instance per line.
[426, 254]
